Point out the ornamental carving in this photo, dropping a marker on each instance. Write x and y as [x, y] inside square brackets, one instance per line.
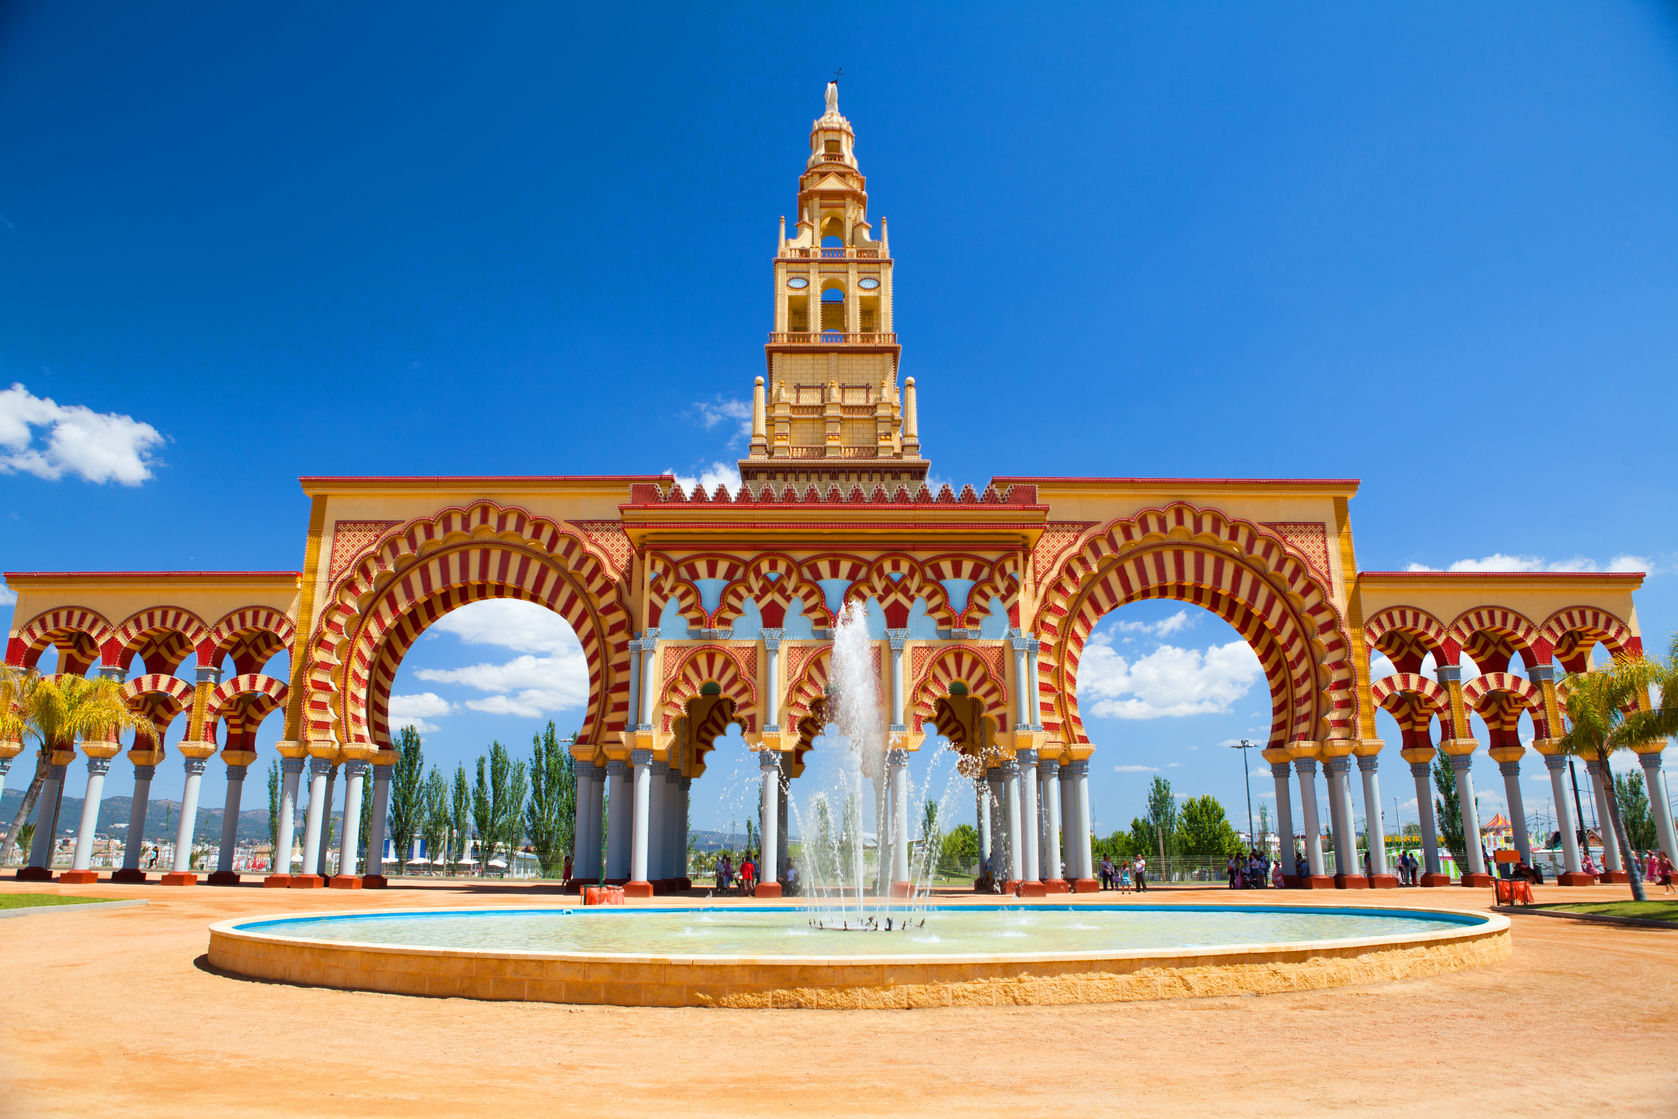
[351, 540]
[1309, 539]
[1057, 539]
[609, 539]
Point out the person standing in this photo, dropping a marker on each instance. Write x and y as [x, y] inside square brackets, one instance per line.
[1141, 869]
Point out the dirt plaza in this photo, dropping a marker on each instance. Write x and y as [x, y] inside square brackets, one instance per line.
[115, 1011]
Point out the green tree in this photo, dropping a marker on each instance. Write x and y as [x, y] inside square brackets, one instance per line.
[1204, 831]
[460, 817]
[274, 814]
[550, 818]
[58, 711]
[1160, 820]
[1598, 724]
[1447, 807]
[1634, 809]
[372, 861]
[958, 851]
[497, 802]
[1120, 846]
[434, 820]
[407, 795]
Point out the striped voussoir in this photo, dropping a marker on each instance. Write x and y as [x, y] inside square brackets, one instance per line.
[1238, 570]
[1500, 698]
[252, 633]
[1573, 631]
[159, 697]
[957, 665]
[1407, 634]
[77, 632]
[159, 623]
[1492, 635]
[776, 584]
[492, 551]
[716, 665]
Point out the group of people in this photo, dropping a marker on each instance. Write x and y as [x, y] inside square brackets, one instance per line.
[1656, 867]
[1124, 875]
[1250, 871]
[741, 879]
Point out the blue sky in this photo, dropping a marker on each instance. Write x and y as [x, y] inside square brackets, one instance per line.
[1428, 247]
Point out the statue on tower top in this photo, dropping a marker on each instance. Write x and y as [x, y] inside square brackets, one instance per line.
[833, 98]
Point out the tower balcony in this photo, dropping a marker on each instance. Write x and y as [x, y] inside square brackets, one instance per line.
[847, 252]
[831, 338]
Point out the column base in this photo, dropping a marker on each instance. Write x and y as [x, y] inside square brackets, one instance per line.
[1436, 879]
[1057, 886]
[345, 882]
[223, 878]
[902, 889]
[34, 874]
[1481, 881]
[129, 874]
[684, 883]
[1085, 886]
[276, 881]
[1291, 881]
[306, 882]
[1031, 888]
[1383, 882]
[767, 890]
[1350, 882]
[637, 889]
[1317, 882]
[180, 878]
[374, 882]
[1575, 878]
[1615, 876]
[78, 877]
[1011, 887]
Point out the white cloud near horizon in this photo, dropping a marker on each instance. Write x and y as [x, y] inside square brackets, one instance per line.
[417, 711]
[1504, 562]
[1165, 627]
[8, 597]
[708, 478]
[78, 442]
[1167, 682]
[719, 411]
[549, 675]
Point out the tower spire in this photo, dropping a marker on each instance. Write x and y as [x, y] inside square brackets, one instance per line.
[832, 407]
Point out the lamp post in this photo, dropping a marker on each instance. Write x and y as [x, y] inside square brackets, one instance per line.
[1247, 782]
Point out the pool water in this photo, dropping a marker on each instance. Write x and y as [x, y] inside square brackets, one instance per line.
[991, 931]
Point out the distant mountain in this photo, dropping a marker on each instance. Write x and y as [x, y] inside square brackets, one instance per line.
[163, 818]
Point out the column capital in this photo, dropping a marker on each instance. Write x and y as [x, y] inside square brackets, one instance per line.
[1555, 762]
[144, 772]
[896, 638]
[209, 674]
[769, 759]
[1420, 770]
[237, 772]
[1649, 759]
[1368, 763]
[639, 758]
[1049, 766]
[98, 766]
[1339, 763]
[1448, 673]
[355, 767]
[1509, 768]
[1305, 766]
[1078, 768]
[319, 765]
[1543, 673]
[772, 637]
[897, 758]
[1026, 757]
[1020, 643]
[288, 764]
[195, 766]
[112, 672]
[1279, 770]
[1007, 768]
[616, 767]
[1461, 762]
[1594, 766]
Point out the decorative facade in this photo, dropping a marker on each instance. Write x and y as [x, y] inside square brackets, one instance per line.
[697, 611]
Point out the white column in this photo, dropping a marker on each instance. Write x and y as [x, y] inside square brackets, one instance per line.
[675, 832]
[1422, 772]
[1511, 771]
[996, 813]
[1022, 678]
[620, 821]
[1011, 818]
[135, 841]
[285, 831]
[1030, 838]
[634, 716]
[230, 818]
[376, 824]
[585, 843]
[898, 760]
[1081, 837]
[643, 763]
[40, 851]
[649, 686]
[326, 820]
[896, 638]
[1565, 823]
[189, 814]
[1373, 825]
[96, 770]
[981, 816]
[314, 820]
[686, 786]
[1611, 861]
[1306, 770]
[1284, 817]
[348, 850]
[1659, 804]
[1462, 765]
[1033, 706]
[658, 821]
[1048, 785]
[772, 680]
[769, 767]
[1336, 771]
[5, 768]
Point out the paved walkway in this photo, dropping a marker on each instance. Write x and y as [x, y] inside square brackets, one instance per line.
[110, 1012]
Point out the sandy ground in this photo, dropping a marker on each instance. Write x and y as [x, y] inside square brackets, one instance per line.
[113, 1013]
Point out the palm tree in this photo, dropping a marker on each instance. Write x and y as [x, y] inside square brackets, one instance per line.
[56, 712]
[1606, 712]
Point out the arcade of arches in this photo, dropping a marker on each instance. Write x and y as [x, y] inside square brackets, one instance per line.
[698, 611]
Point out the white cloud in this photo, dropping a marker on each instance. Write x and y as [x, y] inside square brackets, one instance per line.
[1166, 682]
[511, 624]
[720, 411]
[709, 477]
[1165, 627]
[1504, 562]
[1136, 769]
[417, 710]
[8, 597]
[550, 674]
[94, 446]
[1380, 667]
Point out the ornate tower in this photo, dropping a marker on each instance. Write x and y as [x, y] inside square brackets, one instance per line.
[832, 410]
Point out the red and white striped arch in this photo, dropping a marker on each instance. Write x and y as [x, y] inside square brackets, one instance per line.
[1499, 698]
[77, 632]
[1236, 569]
[957, 665]
[159, 697]
[436, 563]
[240, 703]
[1407, 634]
[1573, 631]
[774, 582]
[710, 664]
[251, 636]
[1414, 701]
[161, 636]
[1493, 635]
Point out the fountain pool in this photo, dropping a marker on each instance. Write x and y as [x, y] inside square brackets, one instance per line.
[772, 956]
